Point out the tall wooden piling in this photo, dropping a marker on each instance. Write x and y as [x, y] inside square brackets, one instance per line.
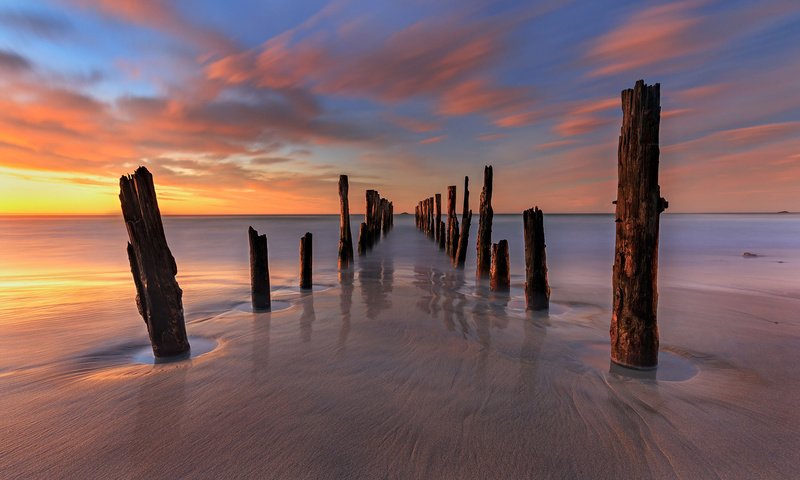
[443, 236]
[484, 241]
[438, 217]
[432, 218]
[634, 328]
[259, 271]
[345, 235]
[500, 274]
[452, 232]
[158, 296]
[537, 290]
[466, 220]
[306, 255]
[362, 238]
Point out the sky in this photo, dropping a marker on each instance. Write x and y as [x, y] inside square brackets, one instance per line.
[257, 106]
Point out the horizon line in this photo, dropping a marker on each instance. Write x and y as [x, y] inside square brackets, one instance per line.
[783, 212]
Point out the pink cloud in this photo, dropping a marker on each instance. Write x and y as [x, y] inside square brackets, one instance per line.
[435, 139]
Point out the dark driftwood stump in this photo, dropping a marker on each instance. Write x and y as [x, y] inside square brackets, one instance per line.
[484, 242]
[158, 296]
[431, 218]
[438, 217]
[634, 330]
[466, 220]
[345, 236]
[452, 233]
[306, 255]
[259, 271]
[500, 280]
[537, 290]
[362, 238]
[369, 219]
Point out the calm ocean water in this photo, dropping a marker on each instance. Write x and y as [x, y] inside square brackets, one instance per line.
[58, 270]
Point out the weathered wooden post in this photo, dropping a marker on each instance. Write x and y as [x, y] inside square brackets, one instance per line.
[306, 255]
[369, 218]
[416, 216]
[500, 279]
[432, 219]
[452, 233]
[443, 237]
[634, 329]
[537, 290]
[362, 239]
[466, 220]
[158, 296]
[259, 271]
[345, 236]
[438, 216]
[385, 216]
[484, 260]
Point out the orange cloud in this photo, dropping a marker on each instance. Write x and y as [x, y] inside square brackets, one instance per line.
[446, 60]
[436, 139]
[648, 37]
[414, 124]
[583, 117]
[161, 15]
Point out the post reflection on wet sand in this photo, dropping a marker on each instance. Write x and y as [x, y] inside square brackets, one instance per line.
[346, 278]
[534, 332]
[260, 341]
[308, 316]
[376, 279]
[158, 433]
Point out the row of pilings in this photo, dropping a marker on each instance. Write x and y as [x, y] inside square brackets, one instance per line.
[492, 258]
[634, 329]
[159, 298]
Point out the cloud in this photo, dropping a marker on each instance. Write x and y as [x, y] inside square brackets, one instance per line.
[444, 60]
[415, 125]
[38, 24]
[585, 117]
[12, 62]
[435, 139]
[162, 16]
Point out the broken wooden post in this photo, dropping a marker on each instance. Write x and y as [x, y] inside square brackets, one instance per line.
[431, 218]
[259, 271]
[484, 260]
[443, 237]
[537, 291]
[369, 218]
[438, 217]
[452, 233]
[158, 296]
[500, 275]
[634, 329]
[345, 236]
[362, 238]
[385, 216]
[306, 254]
[466, 220]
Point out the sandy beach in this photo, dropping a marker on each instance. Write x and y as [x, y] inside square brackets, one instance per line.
[404, 369]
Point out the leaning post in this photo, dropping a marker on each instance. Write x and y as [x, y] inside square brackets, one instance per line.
[158, 296]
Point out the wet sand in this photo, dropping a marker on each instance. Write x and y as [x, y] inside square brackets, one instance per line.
[406, 369]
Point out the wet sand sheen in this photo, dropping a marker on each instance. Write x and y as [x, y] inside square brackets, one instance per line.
[409, 371]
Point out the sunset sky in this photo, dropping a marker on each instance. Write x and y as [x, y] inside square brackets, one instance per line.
[254, 106]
